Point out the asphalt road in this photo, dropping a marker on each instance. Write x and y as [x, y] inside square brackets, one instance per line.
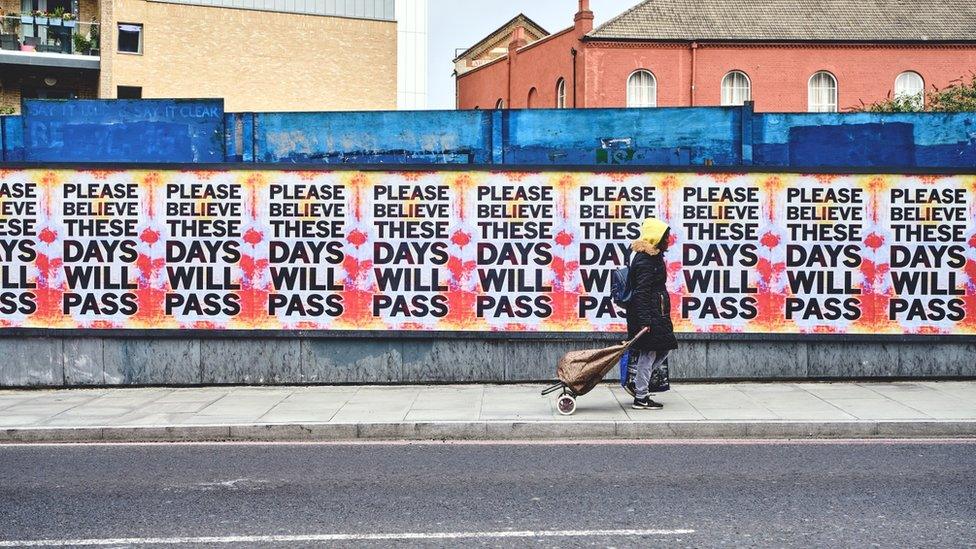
[698, 495]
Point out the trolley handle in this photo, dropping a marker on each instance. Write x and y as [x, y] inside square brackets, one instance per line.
[638, 336]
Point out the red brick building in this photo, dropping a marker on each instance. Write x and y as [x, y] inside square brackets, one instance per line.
[786, 55]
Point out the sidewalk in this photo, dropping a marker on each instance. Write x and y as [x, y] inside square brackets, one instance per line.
[477, 412]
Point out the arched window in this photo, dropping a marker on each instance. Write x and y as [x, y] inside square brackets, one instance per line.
[641, 89]
[500, 104]
[822, 94]
[533, 100]
[736, 89]
[910, 86]
[561, 93]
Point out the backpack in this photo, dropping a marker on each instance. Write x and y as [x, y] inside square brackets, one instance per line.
[620, 289]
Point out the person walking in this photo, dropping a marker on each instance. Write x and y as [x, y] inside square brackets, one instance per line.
[650, 307]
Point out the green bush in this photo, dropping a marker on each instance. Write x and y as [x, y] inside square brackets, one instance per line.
[959, 96]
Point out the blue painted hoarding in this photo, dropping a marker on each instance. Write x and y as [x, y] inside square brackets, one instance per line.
[897, 140]
[163, 130]
[411, 137]
[198, 131]
[658, 137]
[11, 139]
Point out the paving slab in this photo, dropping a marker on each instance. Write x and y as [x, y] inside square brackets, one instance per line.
[879, 410]
[479, 412]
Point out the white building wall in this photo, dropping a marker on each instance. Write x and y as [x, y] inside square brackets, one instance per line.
[412, 17]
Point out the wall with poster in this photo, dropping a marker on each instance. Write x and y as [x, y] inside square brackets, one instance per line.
[491, 253]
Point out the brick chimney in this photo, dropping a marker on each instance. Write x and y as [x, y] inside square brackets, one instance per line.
[584, 18]
[518, 39]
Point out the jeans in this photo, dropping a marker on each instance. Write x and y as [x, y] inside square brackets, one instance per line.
[646, 363]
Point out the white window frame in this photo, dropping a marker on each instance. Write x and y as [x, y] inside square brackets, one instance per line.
[815, 101]
[918, 95]
[732, 95]
[561, 93]
[641, 95]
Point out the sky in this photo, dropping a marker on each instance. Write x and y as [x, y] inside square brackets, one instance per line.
[462, 23]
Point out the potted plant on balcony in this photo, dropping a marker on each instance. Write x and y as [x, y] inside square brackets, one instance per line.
[69, 20]
[82, 45]
[40, 18]
[29, 17]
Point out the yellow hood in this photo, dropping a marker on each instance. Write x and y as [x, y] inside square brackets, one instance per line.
[652, 231]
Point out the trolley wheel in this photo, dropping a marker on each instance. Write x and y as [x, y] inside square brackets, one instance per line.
[566, 404]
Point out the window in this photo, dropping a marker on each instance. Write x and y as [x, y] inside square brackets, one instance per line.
[130, 38]
[641, 89]
[736, 89]
[910, 86]
[500, 104]
[129, 92]
[561, 94]
[533, 100]
[822, 94]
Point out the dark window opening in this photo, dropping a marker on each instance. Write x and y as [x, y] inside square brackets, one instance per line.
[130, 92]
[33, 92]
[130, 38]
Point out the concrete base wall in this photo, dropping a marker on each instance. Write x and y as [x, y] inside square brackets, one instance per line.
[96, 361]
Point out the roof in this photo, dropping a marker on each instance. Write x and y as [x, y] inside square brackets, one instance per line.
[519, 20]
[795, 20]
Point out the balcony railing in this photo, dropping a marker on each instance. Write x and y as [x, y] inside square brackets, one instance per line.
[48, 34]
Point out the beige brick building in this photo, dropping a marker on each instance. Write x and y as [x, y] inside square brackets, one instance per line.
[258, 55]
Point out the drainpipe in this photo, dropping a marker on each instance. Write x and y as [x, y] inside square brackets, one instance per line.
[574, 53]
[694, 69]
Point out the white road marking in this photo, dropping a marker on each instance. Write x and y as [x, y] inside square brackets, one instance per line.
[343, 537]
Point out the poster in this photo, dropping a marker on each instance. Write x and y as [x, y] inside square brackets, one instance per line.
[482, 251]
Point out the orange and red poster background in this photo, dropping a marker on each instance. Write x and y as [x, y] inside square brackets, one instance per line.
[482, 251]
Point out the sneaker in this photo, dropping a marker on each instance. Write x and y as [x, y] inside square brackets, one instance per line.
[646, 404]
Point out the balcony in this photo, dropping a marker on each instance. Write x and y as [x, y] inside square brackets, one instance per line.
[46, 40]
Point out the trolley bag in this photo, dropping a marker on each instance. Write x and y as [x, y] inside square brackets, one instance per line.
[581, 371]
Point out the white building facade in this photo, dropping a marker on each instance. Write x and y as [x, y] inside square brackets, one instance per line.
[412, 35]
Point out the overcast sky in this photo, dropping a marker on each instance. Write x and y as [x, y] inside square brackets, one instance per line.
[462, 23]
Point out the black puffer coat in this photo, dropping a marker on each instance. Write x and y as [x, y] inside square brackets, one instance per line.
[650, 304]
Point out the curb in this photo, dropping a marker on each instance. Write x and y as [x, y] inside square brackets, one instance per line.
[497, 430]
